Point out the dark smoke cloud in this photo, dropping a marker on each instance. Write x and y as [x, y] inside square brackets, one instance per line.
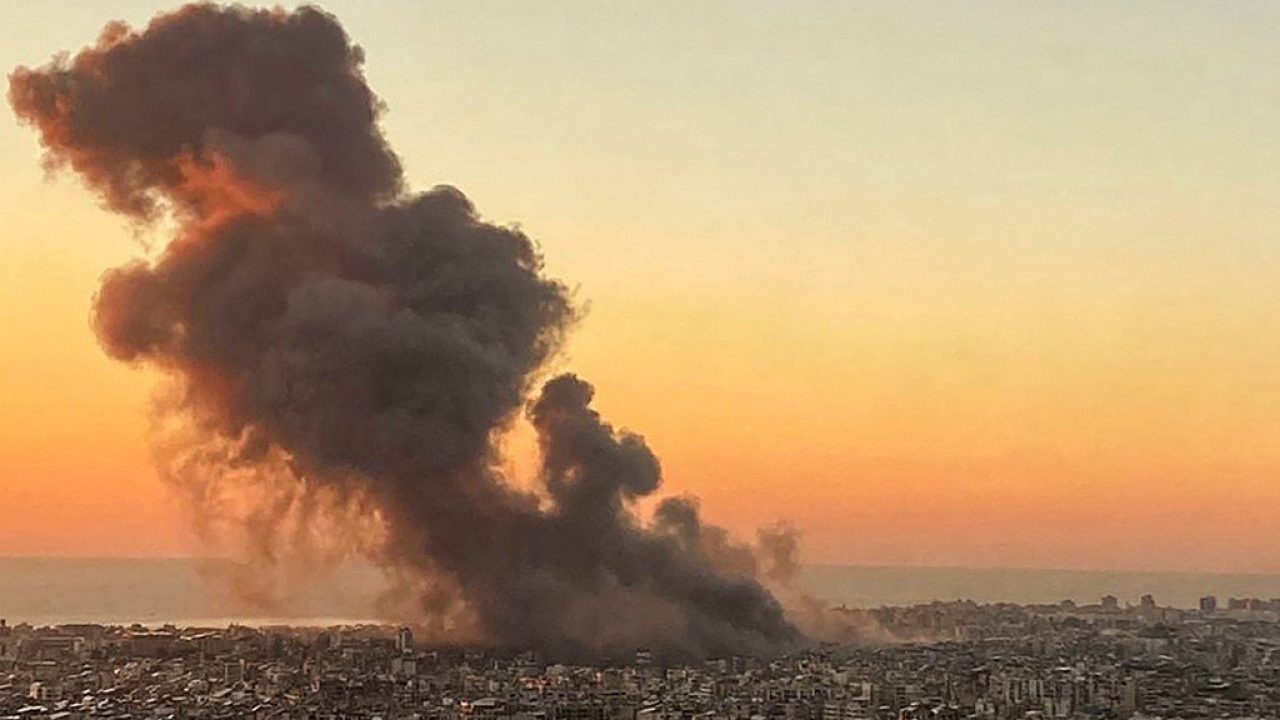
[338, 343]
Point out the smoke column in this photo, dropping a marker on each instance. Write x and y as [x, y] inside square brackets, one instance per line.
[352, 346]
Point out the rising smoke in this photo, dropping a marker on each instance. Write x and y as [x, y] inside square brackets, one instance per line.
[352, 347]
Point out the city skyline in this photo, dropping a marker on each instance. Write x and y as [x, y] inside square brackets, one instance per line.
[981, 286]
[942, 660]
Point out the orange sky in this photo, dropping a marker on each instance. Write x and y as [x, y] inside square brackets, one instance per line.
[991, 287]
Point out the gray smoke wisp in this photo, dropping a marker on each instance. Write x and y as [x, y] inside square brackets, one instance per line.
[337, 342]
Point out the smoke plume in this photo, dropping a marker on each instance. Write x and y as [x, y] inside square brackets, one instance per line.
[345, 353]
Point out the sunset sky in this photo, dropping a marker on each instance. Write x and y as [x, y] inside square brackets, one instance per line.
[974, 284]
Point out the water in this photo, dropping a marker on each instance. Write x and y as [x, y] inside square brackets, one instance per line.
[47, 591]
[51, 591]
[875, 586]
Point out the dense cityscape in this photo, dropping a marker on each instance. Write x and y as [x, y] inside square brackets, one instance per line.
[941, 660]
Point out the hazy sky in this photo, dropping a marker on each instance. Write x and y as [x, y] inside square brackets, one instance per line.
[942, 283]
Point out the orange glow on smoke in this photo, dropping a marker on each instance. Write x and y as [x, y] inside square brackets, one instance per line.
[213, 184]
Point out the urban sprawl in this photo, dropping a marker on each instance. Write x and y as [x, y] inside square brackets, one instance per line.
[945, 660]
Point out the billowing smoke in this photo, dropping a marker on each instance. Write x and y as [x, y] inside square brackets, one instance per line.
[338, 343]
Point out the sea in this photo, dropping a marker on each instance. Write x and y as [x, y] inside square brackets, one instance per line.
[193, 592]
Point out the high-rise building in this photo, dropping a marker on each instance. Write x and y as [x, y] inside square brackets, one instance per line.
[1209, 604]
[404, 640]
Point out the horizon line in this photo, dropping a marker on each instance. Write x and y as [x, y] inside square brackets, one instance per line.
[858, 566]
